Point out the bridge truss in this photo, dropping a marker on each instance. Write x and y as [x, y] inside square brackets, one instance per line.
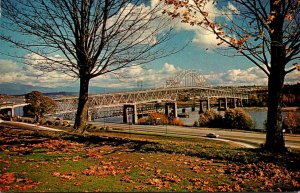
[101, 105]
[186, 78]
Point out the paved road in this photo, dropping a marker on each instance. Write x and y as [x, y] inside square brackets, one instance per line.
[246, 138]
[243, 137]
[27, 125]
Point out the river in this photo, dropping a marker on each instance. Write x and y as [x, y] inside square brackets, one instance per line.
[259, 116]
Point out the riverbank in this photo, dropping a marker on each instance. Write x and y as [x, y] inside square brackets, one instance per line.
[266, 108]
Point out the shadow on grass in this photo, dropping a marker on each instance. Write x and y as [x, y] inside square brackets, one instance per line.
[237, 155]
[290, 160]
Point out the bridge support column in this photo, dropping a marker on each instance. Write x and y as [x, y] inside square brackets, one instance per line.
[221, 100]
[193, 108]
[240, 102]
[8, 113]
[90, 116]
[12, 112]
[171, 109]
[126, 114]
[202, 101]
[201, 107]
[207, 104]
[232, 102]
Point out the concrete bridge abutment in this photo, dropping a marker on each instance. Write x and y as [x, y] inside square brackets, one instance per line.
[171, 109]
[193, 108]
[126, 113]
[10, 112]
[239, 102]
[232, 102]
[202, 107]
[222, 104]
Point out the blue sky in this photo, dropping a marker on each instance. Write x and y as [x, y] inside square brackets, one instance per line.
[199, 55]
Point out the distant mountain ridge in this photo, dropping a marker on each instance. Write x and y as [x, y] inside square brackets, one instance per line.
[21, 89]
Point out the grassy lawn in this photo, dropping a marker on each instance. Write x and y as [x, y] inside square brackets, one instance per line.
[107, 161]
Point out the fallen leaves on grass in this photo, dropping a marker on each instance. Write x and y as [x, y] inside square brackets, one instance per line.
[65, 175]
[197, 169]
[171, 177]
[107, 168]
[269, 175]
[158, 183]
[9, 181]
[127, 179]
[7, 178]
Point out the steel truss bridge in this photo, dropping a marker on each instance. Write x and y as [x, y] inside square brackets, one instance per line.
[110, 104]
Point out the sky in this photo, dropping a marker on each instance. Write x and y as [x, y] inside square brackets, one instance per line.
[199, 56]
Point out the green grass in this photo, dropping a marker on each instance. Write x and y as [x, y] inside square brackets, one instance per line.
[109, 161]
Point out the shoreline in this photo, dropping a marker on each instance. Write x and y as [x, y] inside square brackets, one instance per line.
[266, 108]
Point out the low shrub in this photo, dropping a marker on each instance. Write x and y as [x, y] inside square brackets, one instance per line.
[49, 123]
[57, 123]
[238, 118]
[142, 121]
[210, 118]
[159, 119]
[176, 121]
[66, 123]
[42, 121]
[155, 119]
[291, 122]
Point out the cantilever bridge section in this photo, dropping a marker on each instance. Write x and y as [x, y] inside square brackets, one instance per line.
[114, 102]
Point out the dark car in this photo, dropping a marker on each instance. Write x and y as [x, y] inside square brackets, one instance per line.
[212, 135]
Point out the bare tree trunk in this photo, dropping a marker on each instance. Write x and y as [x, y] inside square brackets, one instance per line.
[82, 110]
[274, 138]
[36, 118]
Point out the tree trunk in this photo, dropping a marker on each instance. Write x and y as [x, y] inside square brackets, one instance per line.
[274, 138]
[36, 118]
[82, 110]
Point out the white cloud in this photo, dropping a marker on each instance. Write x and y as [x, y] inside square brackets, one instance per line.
[293, 77]
[250, 76]
[169, 68]
[129, 77]
[203, 37]
[7, 66]
[10, 71]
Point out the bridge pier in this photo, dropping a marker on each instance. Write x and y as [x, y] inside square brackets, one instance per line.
[171, 109]
[207, 102]
[10, 112]
[220, 101]
[240, 102]
[232, 102]
[193, 108]
[126, 113]
[90, 116]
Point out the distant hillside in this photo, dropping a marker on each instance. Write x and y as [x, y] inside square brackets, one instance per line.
[21, 89]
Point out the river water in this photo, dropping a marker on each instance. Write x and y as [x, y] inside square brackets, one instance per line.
[259, 116]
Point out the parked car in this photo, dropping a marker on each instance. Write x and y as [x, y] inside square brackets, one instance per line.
[212, 135]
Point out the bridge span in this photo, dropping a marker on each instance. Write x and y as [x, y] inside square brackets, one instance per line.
[7, 108]
[101, 104]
